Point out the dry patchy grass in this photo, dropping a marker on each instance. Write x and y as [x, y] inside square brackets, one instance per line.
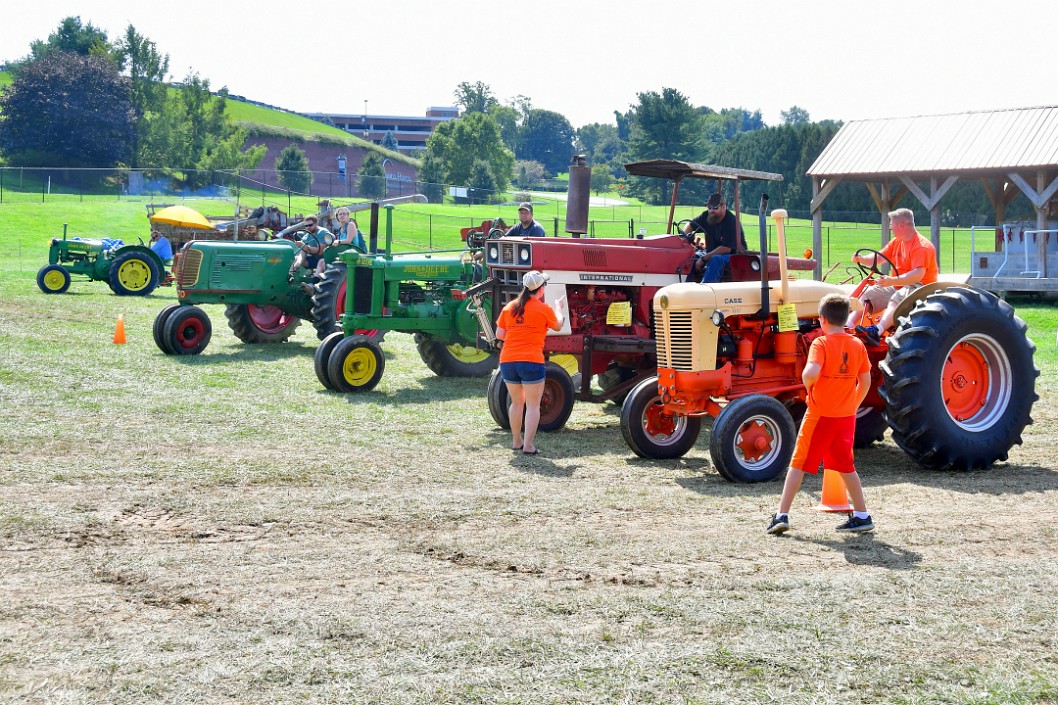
[220, 529]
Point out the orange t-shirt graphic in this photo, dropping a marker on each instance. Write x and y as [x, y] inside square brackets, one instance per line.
[524, 341]
[842, 358]
[918, 252]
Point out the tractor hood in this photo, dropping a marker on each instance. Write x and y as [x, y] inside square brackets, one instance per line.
[743, 298]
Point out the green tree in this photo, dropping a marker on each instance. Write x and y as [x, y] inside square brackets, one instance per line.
[147, 70]
[432, 177]
[481, 186]
[389, 141]
[546, 137]
[794, 116]
[292, 169]
[458, 143]
[664, 126]
[474, 97]
[508, 119]
[600, 143]
[601, 179]
[67, 110]
[73, 37]
[527, 172]
[372, 179]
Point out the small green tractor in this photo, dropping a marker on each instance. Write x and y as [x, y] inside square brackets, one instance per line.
[428, 294]
[130, 270]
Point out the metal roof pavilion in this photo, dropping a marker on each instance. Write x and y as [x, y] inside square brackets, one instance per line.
[1008, 151]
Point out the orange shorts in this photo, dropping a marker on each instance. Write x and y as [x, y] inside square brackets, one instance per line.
[827, 440]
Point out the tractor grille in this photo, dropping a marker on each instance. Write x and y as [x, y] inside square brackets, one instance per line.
[675, 339]
[594, 258]
[231, 263]
[190, 264]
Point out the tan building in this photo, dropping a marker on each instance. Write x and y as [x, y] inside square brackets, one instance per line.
[410, 132]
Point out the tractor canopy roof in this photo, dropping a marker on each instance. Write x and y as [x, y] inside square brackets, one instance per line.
[676, 170]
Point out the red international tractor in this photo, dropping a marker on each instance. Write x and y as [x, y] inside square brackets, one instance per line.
[609, 285]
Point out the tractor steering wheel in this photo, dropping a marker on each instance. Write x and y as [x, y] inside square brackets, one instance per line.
[688, 237]
[869, 272]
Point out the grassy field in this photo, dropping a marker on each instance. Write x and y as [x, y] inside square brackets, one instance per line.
[221, 529]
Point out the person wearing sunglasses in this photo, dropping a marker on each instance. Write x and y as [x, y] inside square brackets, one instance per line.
[722, 236]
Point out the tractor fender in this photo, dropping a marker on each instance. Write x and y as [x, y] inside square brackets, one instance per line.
[925, 290]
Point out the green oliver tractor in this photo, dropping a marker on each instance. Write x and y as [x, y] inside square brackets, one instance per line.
[427, 294]
[130, 270]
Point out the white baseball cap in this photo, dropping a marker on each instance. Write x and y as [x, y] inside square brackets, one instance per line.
[534, 280]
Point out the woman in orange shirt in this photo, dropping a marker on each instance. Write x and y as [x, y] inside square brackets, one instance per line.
[522, 326]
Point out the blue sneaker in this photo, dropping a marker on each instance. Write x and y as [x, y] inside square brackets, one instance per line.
[857, 526]
[871, 334]
[779, 524]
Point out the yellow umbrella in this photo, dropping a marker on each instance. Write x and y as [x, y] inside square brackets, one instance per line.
[182, 217]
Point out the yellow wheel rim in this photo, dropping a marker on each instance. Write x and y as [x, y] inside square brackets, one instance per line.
[134, 275]
[359, 367]
[467, 354]
[54, 280]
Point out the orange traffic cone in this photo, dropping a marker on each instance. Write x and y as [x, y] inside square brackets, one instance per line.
[835, 497]
[119, 330]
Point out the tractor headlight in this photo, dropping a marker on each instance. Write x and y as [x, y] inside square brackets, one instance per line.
[663, 301]
[717, 318]
[525, 254]
[754, 264]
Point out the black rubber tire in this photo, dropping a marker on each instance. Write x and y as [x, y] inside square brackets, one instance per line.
[356, 364]
[447, 360]
[556, 404]
[158, 329]
[754, 412]
[614, 376]
[650, 432]
[951, 346]
[870, 427]
[133, 274]
[323, 356]
[187, 331]
[254, 324]
[46, 283]
[325, 300]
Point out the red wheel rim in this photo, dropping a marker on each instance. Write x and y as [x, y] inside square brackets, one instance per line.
[268, 319]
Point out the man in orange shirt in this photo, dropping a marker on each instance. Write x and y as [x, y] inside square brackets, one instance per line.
[915, 259]
[837, 378]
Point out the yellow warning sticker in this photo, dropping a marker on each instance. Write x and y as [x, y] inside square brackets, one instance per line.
[619, 314]
[787, 317]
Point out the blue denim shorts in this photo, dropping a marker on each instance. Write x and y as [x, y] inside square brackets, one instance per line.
[523, 372]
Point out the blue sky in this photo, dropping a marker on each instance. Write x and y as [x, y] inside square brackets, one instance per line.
[837, 59]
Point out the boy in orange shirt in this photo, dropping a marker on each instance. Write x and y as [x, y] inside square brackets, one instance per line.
[837, 378]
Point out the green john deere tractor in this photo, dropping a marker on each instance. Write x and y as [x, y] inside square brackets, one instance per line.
[130, 270]
[427, 294]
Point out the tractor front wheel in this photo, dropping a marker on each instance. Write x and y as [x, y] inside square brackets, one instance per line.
[133, 274]
[454, 360]
[187, 331]
[959, 380]
[753, 439]
[158, 329]
[356, 364]
[556, 402]
[651, 432]
[260, 324]
[322, 358]
[53, 279]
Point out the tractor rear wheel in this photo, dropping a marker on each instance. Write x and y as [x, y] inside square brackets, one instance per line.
[53, 279]
[328, 304]
[753, 439]
[959, 380]
[651, 432]
[158, 329]
[556, 403]
[454, 360]
[260, 324]
[133, 274]
[356, 364]
[323, 357]
[187, 331]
